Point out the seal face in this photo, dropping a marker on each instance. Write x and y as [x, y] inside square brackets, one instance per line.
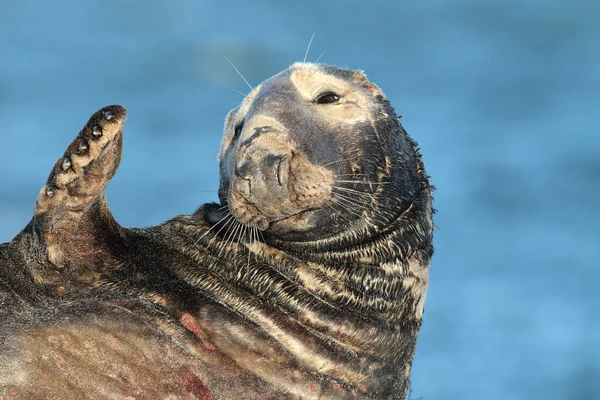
[307, 151]
[308, 281]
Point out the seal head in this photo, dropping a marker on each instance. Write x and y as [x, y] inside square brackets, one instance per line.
[312, 151]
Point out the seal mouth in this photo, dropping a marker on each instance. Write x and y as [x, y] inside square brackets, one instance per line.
[277, 225]
[252, 216]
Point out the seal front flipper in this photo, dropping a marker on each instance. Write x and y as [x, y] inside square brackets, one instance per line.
[72, 221]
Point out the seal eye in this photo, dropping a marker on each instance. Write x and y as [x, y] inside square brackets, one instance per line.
[327, 98]
[238, 130]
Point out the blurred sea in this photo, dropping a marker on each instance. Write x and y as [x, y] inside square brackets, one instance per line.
[503, 97]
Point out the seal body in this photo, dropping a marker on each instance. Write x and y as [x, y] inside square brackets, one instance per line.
[307, 281]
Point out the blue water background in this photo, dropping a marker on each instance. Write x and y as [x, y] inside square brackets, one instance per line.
[503, 97]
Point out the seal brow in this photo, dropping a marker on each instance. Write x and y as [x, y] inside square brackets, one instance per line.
[257, 132]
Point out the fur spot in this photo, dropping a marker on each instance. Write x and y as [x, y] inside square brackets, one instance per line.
[190, 323]
[194, 385]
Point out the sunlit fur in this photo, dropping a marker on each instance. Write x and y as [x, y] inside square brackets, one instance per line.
[316, 295]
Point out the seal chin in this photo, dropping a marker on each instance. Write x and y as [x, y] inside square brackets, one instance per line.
[253, 216]
[300, 221]
[244, 210]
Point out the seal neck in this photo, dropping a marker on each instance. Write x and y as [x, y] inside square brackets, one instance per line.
[332, 309]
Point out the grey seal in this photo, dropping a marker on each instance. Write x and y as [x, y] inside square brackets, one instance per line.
[308, 280]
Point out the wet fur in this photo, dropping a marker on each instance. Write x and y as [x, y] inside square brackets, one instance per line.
[189, 310]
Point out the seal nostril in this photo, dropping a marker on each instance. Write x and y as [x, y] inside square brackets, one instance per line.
[283, 169]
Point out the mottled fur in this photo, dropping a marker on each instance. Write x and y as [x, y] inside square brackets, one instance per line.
[326, 302]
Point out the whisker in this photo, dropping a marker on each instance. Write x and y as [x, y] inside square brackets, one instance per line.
[346, 208]
[243, 237]
[352, 200]
[353, 174]
[238, 71]
[228, 236]
[339, 213]
[350, 203]
[363, 182]
[349, 198]
[231, 224]
[255, 238]
[308, 48]
[235, 90]
[317, 60]
[258, 235]
[363, 200]
[351, 191]
[239, 237]
[234, 231]
[249, 244]
[211, 228]
[261, 235]
[231, 219]
[228, 223]
[333, 162]
[359, 197]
